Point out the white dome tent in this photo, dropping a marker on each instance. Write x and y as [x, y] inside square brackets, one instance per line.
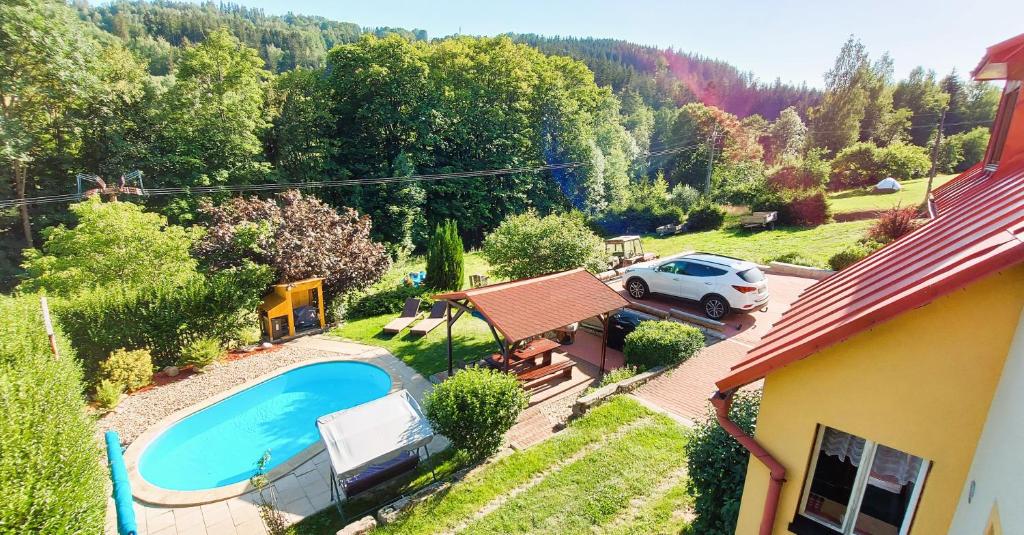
[888, 185]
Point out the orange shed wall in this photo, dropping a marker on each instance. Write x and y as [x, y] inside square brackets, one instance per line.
[921, 383]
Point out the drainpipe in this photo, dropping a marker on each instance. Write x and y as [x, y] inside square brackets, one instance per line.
[721, 402]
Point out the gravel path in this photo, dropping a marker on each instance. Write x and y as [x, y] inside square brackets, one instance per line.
[139, 411]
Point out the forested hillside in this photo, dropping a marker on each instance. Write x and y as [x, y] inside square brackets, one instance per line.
[227, 97]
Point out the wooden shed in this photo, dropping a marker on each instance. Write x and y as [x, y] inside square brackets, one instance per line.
[292, 307]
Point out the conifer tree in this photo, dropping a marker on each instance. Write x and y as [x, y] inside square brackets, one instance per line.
[445, 265]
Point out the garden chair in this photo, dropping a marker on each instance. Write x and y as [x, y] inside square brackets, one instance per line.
[431, 322]
[410, 312]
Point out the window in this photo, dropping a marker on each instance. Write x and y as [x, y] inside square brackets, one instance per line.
[856, 486]
[752, 275]
[700, 270]
[1002, 125]
[673, 267]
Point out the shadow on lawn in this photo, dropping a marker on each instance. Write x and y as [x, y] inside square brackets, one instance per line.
[429, 354]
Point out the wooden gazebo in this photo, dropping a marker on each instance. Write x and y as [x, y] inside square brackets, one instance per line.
[520, 310]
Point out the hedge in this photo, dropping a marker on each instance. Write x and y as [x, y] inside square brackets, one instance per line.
[705, 215]
[51, 478]
[661, 343]
[717, 467]
[388, 301]
[163, 320]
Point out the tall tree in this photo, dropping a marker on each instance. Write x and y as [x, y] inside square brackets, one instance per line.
[920, 93]
[44, 71]
[879, 104]
[786, 136]
[445, 264]
[836, 122]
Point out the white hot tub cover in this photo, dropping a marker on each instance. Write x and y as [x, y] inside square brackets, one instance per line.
[373, 432]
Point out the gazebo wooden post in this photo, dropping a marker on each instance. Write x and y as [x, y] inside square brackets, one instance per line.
[604, 342]
[448, 312]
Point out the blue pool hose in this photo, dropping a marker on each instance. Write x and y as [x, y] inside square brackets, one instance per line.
[122, 489]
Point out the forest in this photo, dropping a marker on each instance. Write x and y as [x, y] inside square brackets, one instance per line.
[224, 96]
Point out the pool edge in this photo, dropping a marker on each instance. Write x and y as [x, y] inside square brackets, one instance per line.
[146, 492]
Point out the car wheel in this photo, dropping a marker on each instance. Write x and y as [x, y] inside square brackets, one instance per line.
[715, 306]
[637, 288]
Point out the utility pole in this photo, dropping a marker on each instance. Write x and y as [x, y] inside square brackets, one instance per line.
[935, 156]
[711, 160]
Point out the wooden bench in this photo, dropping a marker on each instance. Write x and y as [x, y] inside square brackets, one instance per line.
[537, 375]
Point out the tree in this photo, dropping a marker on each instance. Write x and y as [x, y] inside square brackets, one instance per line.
[836, 122]
[786, 136]
[298, 236]
[445, 266]
[527, 246]
[921, 94]
[44, 69]
[696, 125]
[211, 119]
[112, 244]
[878, 92]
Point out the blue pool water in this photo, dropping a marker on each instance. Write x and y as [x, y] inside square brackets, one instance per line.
[220, 444]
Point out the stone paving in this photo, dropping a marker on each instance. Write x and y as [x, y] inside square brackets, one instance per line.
[300, 493]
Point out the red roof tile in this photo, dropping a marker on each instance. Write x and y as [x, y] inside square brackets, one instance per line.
[529, 307]
[978, 230]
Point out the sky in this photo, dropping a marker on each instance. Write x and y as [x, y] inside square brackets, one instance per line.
[794, 41]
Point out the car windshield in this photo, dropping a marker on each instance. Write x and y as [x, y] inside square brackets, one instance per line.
[752, 275]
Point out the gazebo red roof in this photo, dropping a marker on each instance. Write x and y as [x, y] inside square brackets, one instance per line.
[530, 307]
[978, 230]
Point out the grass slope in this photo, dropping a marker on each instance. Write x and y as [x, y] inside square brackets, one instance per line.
[865, 200]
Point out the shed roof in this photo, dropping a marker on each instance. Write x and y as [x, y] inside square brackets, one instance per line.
[529, 307]
[998, 57]
[978, 229]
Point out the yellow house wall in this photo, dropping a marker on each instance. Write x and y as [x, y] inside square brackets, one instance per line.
[921, 383]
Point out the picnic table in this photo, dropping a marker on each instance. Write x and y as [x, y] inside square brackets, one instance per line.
[530, 352]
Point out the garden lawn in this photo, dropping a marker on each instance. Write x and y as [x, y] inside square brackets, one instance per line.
[607, 471]
[471, 341]
[810, 246]
[866, 200]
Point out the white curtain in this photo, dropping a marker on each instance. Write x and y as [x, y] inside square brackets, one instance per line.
[889, 464]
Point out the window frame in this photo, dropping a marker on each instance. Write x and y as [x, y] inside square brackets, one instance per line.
[1000, 128]
[859, 486]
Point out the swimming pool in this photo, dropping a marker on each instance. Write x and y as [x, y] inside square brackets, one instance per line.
[220, 444]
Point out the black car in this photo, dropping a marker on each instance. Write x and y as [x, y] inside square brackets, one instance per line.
[622, 323]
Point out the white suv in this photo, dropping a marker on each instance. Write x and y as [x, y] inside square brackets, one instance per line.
[718, 283]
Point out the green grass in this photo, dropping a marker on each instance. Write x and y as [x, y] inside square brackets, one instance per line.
[815, 245]
[587, 493]
[864, 200]
[471, 340]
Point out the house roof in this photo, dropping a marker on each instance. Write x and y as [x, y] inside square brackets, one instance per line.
[994, 65]
[529, 307]
[978, 229]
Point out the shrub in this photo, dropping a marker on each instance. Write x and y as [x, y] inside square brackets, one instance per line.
[51, 476]
[973, 144]
[162, 319]
[445, 265]
[893, 223]
[684, 197]
[635, 219]
[851, 255]
[903, 160]
[108, 393]
[791, 257]
[863, 164]
[717, 467]
[794, 176]
[388, 301]
[705, 216]
[474, 408]
[201, 353]
[661, 343]
[619, 374]
[130, 369]
[526, 245]
[805, 208]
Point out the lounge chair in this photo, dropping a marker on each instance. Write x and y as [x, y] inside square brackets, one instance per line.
[409, 315]
[431, 322]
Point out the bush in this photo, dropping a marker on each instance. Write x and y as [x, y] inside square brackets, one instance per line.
[445, 265]
[619, 374]
[108, 393]
[526, 245]
[791, 257]
[863, 164]
[684, 197]
[705, 216]
[51, 476]
[961, 151]
[717, 467]
[852, 254]
[201, 353]
[805, 208]
[130, 369]
[475, 408]
[893, 223]
[661, 343]
[903, 160]
[162, 319]
[389, 301]
[635, 219]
